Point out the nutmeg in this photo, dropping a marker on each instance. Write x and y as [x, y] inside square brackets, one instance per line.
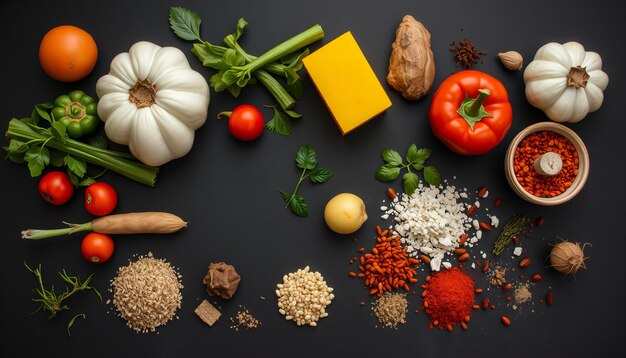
[221, 280]
[512, 60]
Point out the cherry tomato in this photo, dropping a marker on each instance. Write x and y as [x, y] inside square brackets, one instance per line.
[100, 199]
[56, 188]
[68, 53]
[245, 122]
[97, 248]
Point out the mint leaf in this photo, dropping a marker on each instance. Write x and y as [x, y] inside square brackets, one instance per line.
[280, 123]
[391, 157]
[77, 167]
[411, 181]
[320, 175]
[86, 182]
[37, 157]
[387, 173]
[298, 206]
[432, 176]
[306, 157]
[185, 23]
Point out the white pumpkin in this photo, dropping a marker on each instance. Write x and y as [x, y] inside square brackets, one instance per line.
[153, 101]
[565, 81]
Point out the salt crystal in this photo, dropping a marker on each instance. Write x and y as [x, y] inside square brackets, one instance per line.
[517, 251]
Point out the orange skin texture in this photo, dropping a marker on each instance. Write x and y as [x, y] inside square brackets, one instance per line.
[452, 129]
[68, 53]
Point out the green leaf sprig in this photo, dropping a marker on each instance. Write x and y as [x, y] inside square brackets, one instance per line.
[281, 121]
[54, 303]
[416, 159]
[306, 159]
[236, 68]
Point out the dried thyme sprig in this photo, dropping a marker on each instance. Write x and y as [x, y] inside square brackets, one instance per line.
[513, 228]
[53, 303]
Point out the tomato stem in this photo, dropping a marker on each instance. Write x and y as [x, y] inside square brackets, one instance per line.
[226, 114]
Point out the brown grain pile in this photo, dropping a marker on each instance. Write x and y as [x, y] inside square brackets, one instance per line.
[498, 276]
[146, 293]
[244, 319]
[391, 309]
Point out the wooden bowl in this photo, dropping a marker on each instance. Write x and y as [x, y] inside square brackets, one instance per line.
[583, 164]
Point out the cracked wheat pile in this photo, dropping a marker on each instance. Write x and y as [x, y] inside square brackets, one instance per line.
[146, 293]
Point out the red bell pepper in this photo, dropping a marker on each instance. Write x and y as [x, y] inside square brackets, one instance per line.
[470, 112]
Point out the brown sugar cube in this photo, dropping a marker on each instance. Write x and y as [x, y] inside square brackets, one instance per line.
[208, 313]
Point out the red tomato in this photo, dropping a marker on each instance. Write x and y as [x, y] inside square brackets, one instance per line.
[68, 53]
[97, 248]
[246, 122]
[56, 188]
[100, 199]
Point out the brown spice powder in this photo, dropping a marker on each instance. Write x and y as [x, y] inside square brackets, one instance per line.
[243, 318]
[391, 309]
[522, 294]
[498, 276]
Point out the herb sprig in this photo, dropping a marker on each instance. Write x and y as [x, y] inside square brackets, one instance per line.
[306, 159]
[416, 159]
[54, 303]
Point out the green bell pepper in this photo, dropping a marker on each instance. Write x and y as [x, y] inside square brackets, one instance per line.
[78, 112]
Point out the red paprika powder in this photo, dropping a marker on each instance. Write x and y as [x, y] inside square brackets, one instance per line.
[448, 298]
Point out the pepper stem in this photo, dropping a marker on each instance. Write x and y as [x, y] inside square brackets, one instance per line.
[75, 111]
[224, 114]
[472, 109]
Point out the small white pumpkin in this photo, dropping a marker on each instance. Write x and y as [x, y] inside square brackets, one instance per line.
[565, 81]
[153, 101]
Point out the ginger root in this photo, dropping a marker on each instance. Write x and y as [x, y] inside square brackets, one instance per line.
[411, 65]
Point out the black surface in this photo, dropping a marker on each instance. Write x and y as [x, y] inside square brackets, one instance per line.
[227, 190]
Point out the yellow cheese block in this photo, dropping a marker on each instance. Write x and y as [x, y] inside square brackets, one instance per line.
[347, 83]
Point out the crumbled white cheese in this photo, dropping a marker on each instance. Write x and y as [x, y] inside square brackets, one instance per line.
[476, 224]
[477, 204]
[517, 251]
[383, 208]
[484, 256]
[473, 265]
[494, 220]
[486, 194]
[384, 216]
[430, 221]
[446, 264]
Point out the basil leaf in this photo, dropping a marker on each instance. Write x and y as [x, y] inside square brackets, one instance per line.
[432, 176]
[387, 173]
[417, 156]
[57, 159]
[78, 167]
[392, 157]
[320, 175]
[411, 181]
[298, 206]
[58, 130]
[185, 23]
[37, 157]
[98, 141]
[280, 123]
[306, 157]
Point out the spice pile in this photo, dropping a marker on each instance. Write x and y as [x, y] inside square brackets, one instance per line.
[243, 318]
[303, 297]
[146, 293]
[391, 309]
[431, 221]
[465, 53]
[448, 298]
[388, 266]
[531, 148]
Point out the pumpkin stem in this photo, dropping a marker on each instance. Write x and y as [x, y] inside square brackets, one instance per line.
[472, 109]
[142, 94]
[577, 77]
